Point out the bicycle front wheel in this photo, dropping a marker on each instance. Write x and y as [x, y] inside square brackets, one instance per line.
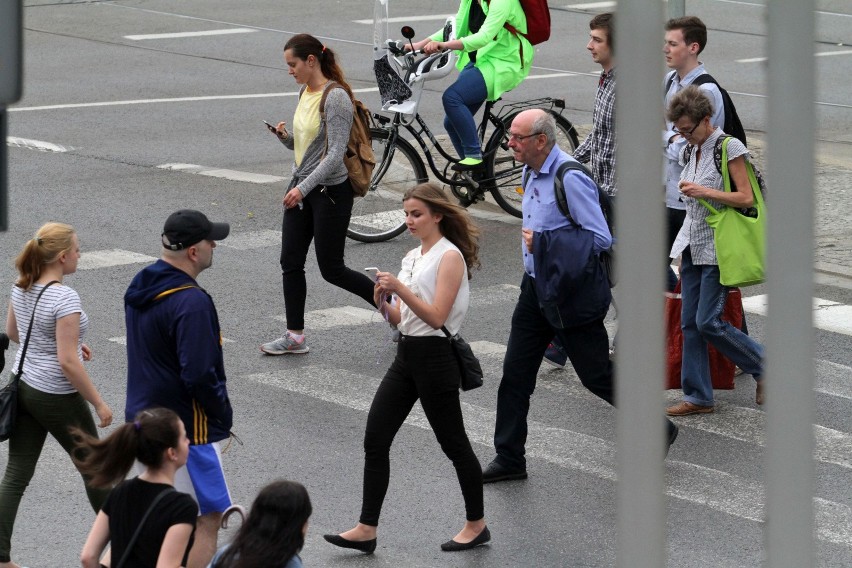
[378, 215]
[506, 172]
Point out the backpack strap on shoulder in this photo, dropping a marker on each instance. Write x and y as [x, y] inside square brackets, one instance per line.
[559, 185]
[326, 90]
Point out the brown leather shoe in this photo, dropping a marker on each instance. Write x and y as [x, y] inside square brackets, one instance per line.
[686, 408]
[758, 394]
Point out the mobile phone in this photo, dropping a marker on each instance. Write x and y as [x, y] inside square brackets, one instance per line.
[374, 270]
[273, 130]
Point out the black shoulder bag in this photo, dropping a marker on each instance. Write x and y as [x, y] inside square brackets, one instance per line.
[469, 367]
[9, 393]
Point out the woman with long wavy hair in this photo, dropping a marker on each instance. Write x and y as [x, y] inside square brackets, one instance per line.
[430, 293]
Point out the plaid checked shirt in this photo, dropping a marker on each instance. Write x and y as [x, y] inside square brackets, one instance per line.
[598, 149]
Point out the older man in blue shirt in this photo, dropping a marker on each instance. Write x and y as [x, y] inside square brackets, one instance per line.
[532, 139]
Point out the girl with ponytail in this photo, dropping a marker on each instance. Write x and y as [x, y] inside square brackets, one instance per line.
[318, 202]
[54, 387]
[156, 439]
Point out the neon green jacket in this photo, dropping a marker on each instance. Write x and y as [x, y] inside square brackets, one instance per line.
[498, 51]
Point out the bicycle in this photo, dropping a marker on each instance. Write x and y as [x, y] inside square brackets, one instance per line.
[401, 75]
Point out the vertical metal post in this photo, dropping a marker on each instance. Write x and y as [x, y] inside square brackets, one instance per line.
[639, 365]
[789, 334]
[676, 8]
[4, 176]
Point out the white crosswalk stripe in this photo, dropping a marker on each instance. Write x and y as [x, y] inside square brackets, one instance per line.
[704, 486]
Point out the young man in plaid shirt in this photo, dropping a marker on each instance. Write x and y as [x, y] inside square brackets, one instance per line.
[598, 149]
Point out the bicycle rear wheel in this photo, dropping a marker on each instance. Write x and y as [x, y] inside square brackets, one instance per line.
[506, 172]
[378, 215]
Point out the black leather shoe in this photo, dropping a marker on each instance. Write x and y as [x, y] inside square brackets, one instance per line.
[367, 546]
[673, 431]
[495, 472]
[481, 538]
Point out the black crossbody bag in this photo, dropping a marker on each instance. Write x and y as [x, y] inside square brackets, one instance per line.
[469, 367]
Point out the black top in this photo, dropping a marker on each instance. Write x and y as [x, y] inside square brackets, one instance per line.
[475, 20]
[125, 506]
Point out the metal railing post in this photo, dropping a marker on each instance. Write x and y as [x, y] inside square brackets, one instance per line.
[639, 364]
[789, 333]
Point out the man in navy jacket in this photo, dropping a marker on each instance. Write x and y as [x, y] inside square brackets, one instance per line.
[174, 360]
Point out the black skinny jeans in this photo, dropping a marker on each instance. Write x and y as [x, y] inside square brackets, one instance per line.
[424, 368]
[323, 220]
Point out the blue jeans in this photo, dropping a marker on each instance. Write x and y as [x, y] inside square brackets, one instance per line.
[701, 320]
[461, 101]
[587, 346]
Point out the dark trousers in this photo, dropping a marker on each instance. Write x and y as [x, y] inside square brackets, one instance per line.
[323, 220]
[40, 414]
[674, 221]
[425, 368]
[587, 347]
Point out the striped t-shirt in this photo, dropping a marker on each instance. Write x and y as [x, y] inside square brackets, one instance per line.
[41, 367]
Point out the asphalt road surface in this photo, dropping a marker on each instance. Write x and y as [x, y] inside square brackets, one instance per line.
[104, 111]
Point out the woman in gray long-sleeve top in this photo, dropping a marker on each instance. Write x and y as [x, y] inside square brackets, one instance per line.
[318, 202]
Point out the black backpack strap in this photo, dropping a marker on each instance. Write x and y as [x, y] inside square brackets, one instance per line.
[669, 81]
[705, 78]
[559, 185]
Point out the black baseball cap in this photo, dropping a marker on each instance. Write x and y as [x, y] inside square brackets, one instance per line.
[187, 227]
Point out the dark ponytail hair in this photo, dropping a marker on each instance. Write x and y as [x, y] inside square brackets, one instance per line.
[272, 533]
[305, 45]
[106, 462]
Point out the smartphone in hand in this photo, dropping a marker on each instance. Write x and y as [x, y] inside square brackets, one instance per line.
[374, 271]
[274, 130]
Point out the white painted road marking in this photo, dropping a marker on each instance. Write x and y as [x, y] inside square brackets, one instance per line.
[340, 316]
[222, 173]
[591, 5]
[819, 54]
[122, 340]
[91, 260]
[406, 19]
[693, 483]
[35, 145]
[174, 100]
[190, 34]
[252, 240]
[828, 315]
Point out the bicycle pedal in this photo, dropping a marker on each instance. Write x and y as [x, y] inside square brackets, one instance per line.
[469, 180]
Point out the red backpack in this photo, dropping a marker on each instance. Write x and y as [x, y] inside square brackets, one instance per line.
[538, 21]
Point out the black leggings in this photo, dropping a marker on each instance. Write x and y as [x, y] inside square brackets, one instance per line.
[323, 219]
[424, 368]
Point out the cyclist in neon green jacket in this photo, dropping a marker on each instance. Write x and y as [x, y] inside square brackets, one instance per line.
[494, 60]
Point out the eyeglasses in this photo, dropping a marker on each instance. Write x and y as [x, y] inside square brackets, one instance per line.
[686, 133]
[519, 137]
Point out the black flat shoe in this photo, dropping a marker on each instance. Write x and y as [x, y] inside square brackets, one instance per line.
[495, 472]
[481, 538]
[368, 546]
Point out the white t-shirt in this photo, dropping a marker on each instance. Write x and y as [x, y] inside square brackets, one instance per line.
[41, 367]
[420, 273]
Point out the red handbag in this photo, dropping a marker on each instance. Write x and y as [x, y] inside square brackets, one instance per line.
[721, 368]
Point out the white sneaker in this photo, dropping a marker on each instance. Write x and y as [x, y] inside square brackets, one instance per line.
[284, 345]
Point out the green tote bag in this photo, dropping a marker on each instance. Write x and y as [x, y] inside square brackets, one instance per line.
[740, 240]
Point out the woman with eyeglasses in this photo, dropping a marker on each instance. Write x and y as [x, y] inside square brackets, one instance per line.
[703, 295]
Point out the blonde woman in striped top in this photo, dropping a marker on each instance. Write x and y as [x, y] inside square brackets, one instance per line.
[55, 388]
